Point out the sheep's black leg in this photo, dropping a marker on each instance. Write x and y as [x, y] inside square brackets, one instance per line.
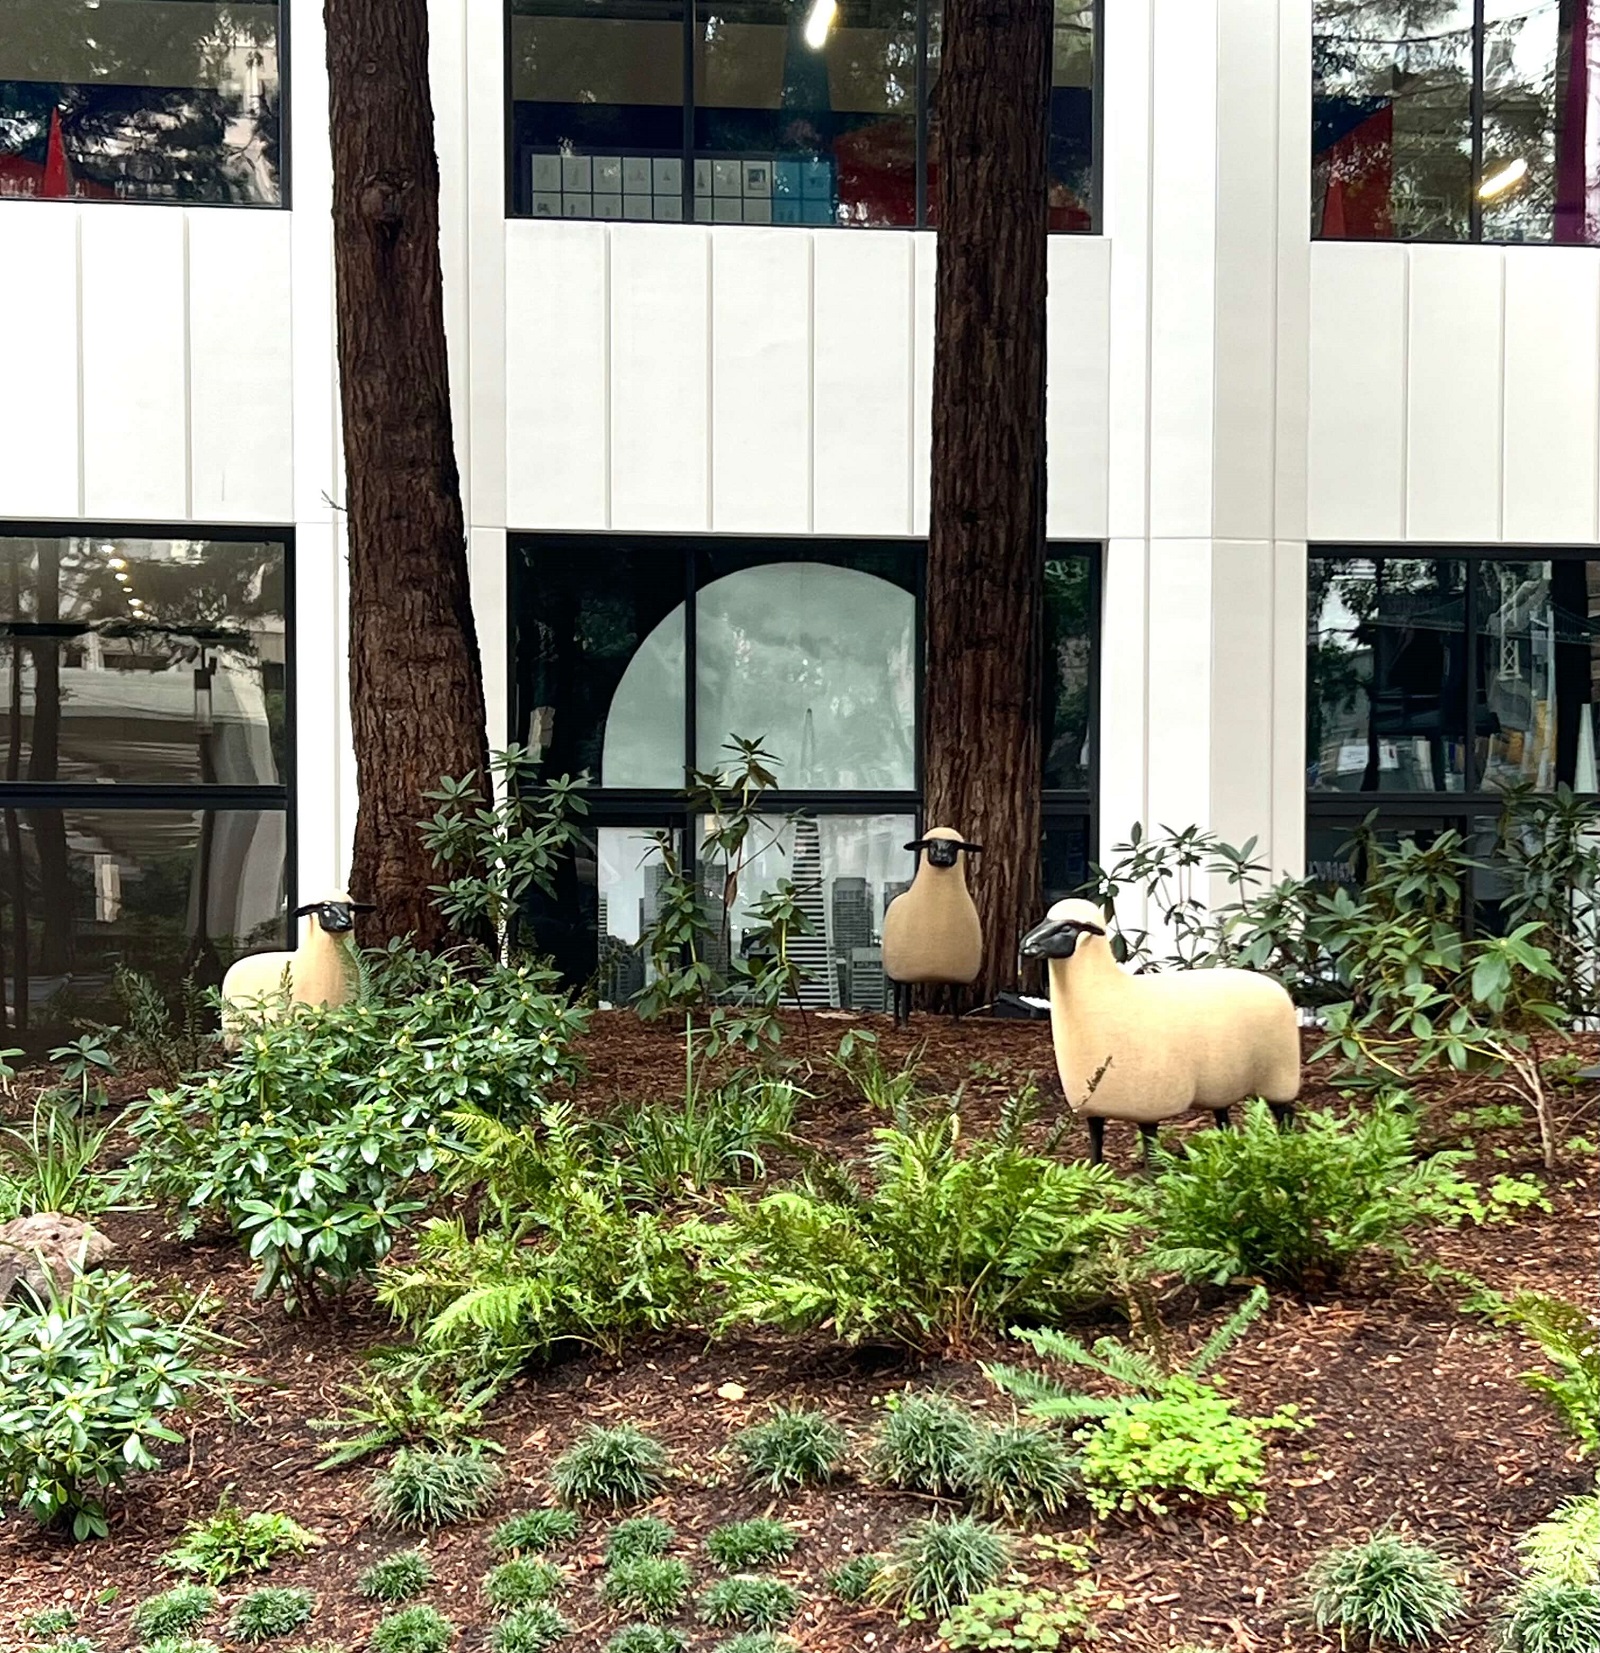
[1147, 1141]
[1097, 1140]
[1283, 1113]
[955, 1001]
[1219, 1118]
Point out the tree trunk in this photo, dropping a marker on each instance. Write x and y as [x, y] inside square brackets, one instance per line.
[985, 579]
[416, 689]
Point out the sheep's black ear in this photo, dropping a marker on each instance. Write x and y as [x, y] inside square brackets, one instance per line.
[971, 849]
[362, 907]
[917, 843]
[308, 910]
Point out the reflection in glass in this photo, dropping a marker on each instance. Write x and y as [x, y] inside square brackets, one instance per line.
[1067, 855]
[628, 880]
[1068, 639]
[143, 100]
[166, 892]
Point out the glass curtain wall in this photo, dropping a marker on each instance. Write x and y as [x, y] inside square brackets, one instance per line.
[142, 100]
[144, 695]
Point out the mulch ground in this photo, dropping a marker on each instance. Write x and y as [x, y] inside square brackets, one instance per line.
[1418, 1417]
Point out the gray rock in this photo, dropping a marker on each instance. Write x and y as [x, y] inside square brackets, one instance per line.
[35, 1250]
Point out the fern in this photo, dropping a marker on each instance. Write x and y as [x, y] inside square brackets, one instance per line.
[1571, 1343]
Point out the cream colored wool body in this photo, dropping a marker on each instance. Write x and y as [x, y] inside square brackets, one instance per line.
[263, 985]
[1166, 1042]
[931, 931]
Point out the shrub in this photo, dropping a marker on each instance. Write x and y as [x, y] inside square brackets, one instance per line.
[1020, 1472]
[853, 1580]
[49, 1622]
[266, 1613]
[936, 1565]
[230, 1542]
[942, 1246]
[618, 1465]
[743, 1544]
[531, 1630]
[1386, 1589]
[1026, 1617]
[416, 1630]
[1291, 1207]
[792, 1448]
[520, 1583]
[923, 1445]
[426, 1488]
[183, 1607]
[647, 1638]
[85, 1382]
[1571, 1343]
[642, 1535]
[397, 1577]
[1566, 1547]
[748, 1603]
[1547, 1616]
[383, 1412]
[533, 1530]
[655, 1586]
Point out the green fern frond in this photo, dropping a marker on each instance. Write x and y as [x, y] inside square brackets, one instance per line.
[1228, 1333]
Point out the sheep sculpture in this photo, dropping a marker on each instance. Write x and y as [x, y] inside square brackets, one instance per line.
[930, 931]
[1145, 1048]
[320, 971]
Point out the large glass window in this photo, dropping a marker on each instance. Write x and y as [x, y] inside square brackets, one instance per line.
[758, 111]
[145, 771]
[1456, 120]
[142, 100]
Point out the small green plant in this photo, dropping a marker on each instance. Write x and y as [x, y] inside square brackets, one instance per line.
[424, 1488]
[1566, 1546]
[182, 1608]
[73, 1644]
[852, 1581]
[793, 1448]
[740, 1545]
[520, 1583]
[757, 1641]
[616, 1466]
[924, 1445]
[936, 1565]
[640, 1535]
[1547, 1616]
[397, 1577]
[383, 1412]
[531, 1630]
[416, 1630]
[49, 1622]
[647, 1638]
[155, 1036]
[1021, 1471]
[533, 1530]
[231, 1542]
[49, 1166]
[1387, 1590]
[1023, 1616]
[1571, 1343]
[748, 1603]
[82, 1061]
[654, 1586]
[270, 1612]
[180, 1644]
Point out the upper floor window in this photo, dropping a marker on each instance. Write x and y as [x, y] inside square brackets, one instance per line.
[1456, 120]
[759, 111]
[142, 100]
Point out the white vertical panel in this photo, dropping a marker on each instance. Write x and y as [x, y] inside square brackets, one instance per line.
[447, 78]
[1552, 394]
[1288, 689]
[39, 300]
[241, 371]
[862, 296]
[1124, 687]
[135, 379]
[1292, 300]
[1453, 398]
[761, 381]
[1077, 387]
[557, 376]
[324, 820]
[1242, 704]
[1357, 437]
[660, 373]
[925, 277]
[1179, 732]
[486, 268]
[486, 555]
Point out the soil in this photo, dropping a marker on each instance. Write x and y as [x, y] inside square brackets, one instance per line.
[1418, 1417]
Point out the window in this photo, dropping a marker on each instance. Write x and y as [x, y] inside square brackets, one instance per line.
[758, 111]
[1460, 120]
[142, 100]
[144, 780]
[634, 658]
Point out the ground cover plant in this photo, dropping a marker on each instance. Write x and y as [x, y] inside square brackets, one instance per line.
[1021, 1472]
[936, 1565]
[639, 1535]
[529, 1630]
[232, 1542]
[651, 1586]
[1388, 1590]
[613, 1467]
[426, 1487]
[742, 1545]
[534, 1530]
[520, 1583]
[172, 1612]
[793, 1448]
[1020, 1616]
[270, 1612]
[416, 1630]
[924, 1444]
[647, 1638]
[749, 1602]
[397, 1577]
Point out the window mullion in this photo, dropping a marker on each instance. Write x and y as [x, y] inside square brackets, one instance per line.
[1474, 200]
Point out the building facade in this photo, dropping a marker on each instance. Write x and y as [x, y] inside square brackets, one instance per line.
[1324, 438]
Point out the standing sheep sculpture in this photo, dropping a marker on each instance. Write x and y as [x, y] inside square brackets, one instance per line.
[931, 931]
[319, 971]
[1148, 1048]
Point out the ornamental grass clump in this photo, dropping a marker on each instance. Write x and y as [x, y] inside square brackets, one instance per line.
[416, 1630]
[852, 1581]
[614, 1466]
[923, 1445]
[654, 1586]
[534, 1530]
[746, 1602]
[793, 1448]
[1387, 1590]
[1549, 1616]
[178, 1644]
[270, 1612]
[647, 1638]
[640, 1535]
[740, 1545]
[1021, 1471]
[757, 1641]
[397, 1577]
[183, 1607]
[532, 1630]
[424, 1488]
[937, 1564]
[520, 1583]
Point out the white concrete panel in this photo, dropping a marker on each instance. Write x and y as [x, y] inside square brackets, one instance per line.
[1552, 394]
[660, 377]
[1292, 300]
[1124, 687]
[863, 313]
[1178, 725]
[135, 364]
[1077, 386]
[486, 556]
[447, 78]
[241, 370]
[39, 300]
[486, 286]
[1242, 707]
[1288, 690]
[324, 821]
[1453, 395]
[925, 276]
[761, 381]
[1357, 436]
[558, 403]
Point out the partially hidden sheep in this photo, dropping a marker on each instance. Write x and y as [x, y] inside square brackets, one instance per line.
[1144, 1048]
[261, 986]
[931, 931]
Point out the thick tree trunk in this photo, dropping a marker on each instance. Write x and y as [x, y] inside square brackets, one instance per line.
[985, 583]
[416, 689]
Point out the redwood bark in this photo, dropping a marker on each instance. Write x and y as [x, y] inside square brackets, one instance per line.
[416, 687]
[985, 578]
